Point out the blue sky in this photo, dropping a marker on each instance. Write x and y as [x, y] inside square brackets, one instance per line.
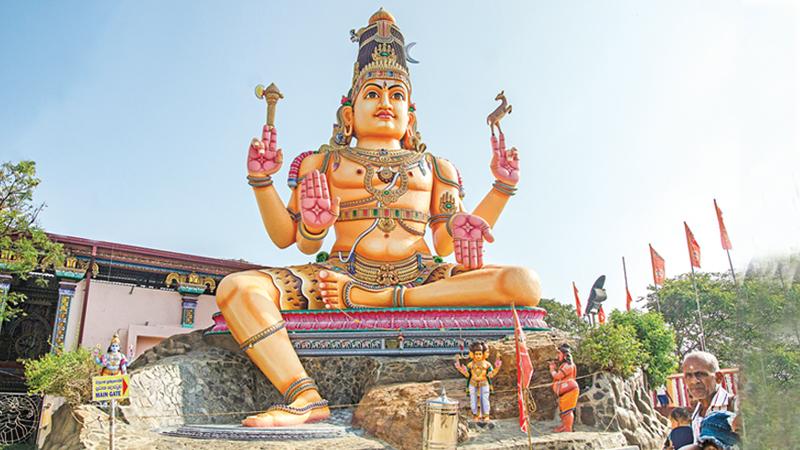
[630, 117]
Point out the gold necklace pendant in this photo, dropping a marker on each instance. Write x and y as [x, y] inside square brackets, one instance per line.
[386, 174]
[385, 196]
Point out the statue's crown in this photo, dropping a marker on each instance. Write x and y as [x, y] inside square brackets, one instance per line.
[381, 52]
[115, 339]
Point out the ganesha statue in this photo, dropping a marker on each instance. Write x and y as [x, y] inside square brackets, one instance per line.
[378, 188]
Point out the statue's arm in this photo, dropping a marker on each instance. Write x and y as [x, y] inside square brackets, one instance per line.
[505, 168]
[445, 201]
[277, 220]
[264, 159]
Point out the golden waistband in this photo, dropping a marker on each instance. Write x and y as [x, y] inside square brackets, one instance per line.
[384, 213]
[384, 273]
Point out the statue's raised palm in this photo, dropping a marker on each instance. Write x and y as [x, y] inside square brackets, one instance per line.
[317, 209]
[264, 157]
[505, 163]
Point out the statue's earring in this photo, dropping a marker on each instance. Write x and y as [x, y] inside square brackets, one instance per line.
[348, 130]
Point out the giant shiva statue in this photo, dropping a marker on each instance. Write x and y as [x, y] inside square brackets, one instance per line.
[378, 188]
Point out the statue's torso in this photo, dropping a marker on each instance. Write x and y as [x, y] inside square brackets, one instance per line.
[347, 181]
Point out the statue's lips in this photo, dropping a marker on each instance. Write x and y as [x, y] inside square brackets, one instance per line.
[385, 115]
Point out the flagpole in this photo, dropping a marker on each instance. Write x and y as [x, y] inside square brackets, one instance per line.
[699, 314]
[733, 273]
[527, 422]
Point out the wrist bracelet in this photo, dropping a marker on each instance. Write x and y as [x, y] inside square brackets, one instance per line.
[259, 181]
[309, 235]
[504, 188]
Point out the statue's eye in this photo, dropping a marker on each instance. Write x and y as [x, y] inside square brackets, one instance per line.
[372, 94]
[398, 96]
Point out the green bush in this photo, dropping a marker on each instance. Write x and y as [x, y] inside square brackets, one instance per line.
[613, 348]
[658, 343]
[65, 374]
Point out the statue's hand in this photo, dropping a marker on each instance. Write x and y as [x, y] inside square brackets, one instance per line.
[469, 231]
[498, 363]
[317, 210]
[264, 158]
[505, 163]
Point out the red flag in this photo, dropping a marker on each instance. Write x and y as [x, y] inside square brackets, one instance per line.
[628, 299]
[723, 233]
[659, 272]
[694, 247]
[601, 315]
[577, 299]
[524, 372]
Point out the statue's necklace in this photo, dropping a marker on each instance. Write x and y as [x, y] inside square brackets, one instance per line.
[390, 167]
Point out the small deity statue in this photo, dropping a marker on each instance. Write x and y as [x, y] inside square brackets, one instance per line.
[113, 362]
[378, 188]
[479, 373]
[565, 387]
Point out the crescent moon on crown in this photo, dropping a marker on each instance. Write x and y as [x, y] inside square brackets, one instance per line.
[408, 53]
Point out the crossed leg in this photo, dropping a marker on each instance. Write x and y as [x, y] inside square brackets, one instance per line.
[249, 301]
[488, 286]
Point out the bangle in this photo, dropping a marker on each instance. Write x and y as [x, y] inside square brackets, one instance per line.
[504, 188]
[259, 181]
[309, 235]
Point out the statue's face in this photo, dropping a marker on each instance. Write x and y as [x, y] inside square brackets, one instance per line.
[114, 348]
[380, 110]
[478, 356]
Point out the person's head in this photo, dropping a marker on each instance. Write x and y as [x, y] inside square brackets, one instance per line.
[565, 353]
[378, 105]
[680, 417]
[478, 351]
[701, 375]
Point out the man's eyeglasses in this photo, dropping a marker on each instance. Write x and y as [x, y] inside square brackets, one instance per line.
[700, 374]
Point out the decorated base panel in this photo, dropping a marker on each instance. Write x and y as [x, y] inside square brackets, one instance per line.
[398, 331]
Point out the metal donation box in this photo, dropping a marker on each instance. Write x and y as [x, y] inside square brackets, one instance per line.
[440, 430]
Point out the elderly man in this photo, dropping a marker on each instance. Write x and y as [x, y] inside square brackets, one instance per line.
[703, 380]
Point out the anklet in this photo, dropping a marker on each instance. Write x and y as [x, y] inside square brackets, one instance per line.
[397, 296]
[300, 385]
[261, 335]
[298, 411]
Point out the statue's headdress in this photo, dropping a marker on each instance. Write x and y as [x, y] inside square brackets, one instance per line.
[114, 339]
[381, 52]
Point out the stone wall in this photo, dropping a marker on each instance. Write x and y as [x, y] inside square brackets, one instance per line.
[615, 404]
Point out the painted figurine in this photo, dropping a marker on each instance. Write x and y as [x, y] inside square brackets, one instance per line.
[565, 387]
[479, 373]
[378, 188]
[113, 362]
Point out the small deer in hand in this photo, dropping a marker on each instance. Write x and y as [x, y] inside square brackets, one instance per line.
[493, 120]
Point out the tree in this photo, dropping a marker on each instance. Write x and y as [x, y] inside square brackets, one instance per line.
[24, 246]
[658, 343]
[563, 317]
[755, 326]
[613, 348]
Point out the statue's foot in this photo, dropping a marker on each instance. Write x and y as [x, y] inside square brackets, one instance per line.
[337, 290]
[308, 408]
